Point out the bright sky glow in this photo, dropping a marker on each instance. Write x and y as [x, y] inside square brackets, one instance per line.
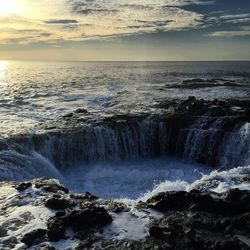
[119, 27]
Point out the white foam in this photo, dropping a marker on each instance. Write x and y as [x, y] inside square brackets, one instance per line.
[133, 179]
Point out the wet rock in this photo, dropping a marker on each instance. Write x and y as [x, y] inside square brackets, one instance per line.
[81, 111]
[87, 196]
[116, 207]
[58, 203]
[156, 232]
[231, 203]
[27, 216]
[89, 217]
[9, 243]
[56, 228]
[23, 186]
[178, 201]
[235, 202]
[3, 232]
[80, 219]
[45, 247]
[34, 237]
[14, 224]
[69, 115]
[50, 185]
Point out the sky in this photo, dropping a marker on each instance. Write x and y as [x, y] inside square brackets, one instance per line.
[125, 30]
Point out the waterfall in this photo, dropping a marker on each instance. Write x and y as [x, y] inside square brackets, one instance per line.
[214, 141]
[209, 140]
[203, 139]
[235, 148]
[105, 142]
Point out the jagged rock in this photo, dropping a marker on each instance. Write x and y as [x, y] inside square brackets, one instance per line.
[50, 185]
[34, 237]
[87, 196]
[58, 203]
[231, 203]
[9, 242]
[23, 186]
[3, 232]
[81, 111]
[56, 228]
[116, 207]
[196, 230]
[45, 248]
[178, 201]
[89, 217]
[80, 219]
[14, 224]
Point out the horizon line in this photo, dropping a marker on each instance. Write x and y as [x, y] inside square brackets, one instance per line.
[132, 61]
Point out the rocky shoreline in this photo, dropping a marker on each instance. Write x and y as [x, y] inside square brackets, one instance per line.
[43, 214]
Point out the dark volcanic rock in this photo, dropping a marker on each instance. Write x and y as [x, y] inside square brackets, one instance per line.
[3, 232]
[34, 237]
[231, 203]
[178, 201]
[50, 185]
[198, 220]
[87, 196]
[89, 217]
[58, 203]
[23, 186]
[81, 219]
[56, 228]
[196, 230]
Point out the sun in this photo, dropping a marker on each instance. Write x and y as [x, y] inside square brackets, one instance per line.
[8, 7]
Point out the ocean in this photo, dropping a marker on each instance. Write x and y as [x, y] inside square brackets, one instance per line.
[135, 157]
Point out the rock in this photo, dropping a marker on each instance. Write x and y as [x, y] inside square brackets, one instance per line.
[87, 196]
[156, 232]
[23, 186]
[88, 217]
[55, 228]
[14, 224]
[81, 111]
[116, 207]
[46, 247]
[58, 203]
[9, 243]
[3, 232]
[34, 237]
[27, 216]
[50, 185]
[68, 115]
[168, 201]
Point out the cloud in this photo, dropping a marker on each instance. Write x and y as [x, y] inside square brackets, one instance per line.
[79, 20]
[62, 21]
[231, 33]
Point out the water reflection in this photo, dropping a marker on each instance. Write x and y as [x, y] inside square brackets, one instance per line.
[3, 69]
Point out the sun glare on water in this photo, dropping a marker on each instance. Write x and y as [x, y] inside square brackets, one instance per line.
[8, 7]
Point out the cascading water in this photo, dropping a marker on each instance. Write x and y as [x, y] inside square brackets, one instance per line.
[105, 143]
[235, 149]
[134, 153]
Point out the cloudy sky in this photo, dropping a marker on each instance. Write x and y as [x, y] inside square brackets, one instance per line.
[125, 29]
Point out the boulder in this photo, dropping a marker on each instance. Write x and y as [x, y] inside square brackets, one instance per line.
[56, 228]
[23, 186]
[34, 237]
[88, 217]
[58, 203]
[50, 185]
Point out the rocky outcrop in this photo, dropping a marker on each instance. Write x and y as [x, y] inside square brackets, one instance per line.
[196, 220]
[188, 220]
